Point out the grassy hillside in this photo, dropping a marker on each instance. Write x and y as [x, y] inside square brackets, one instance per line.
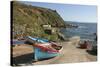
[28, 20]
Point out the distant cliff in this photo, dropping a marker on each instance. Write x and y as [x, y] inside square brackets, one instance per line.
[28, 20]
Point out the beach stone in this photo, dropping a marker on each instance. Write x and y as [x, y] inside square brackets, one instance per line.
[75, 40]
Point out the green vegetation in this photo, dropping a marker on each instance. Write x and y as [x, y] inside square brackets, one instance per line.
[28, 21]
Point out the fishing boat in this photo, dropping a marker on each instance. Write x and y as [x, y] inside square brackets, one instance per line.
[33, 40]
[42, 52]
[43, 48]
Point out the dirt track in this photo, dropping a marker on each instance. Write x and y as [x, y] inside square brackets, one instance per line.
[70, 54]
[73, 54]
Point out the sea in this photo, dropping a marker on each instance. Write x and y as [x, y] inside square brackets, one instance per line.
[84, 30]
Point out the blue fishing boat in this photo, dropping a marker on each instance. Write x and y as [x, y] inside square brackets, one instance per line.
[40, 53]
[41, 50]
[32, 40]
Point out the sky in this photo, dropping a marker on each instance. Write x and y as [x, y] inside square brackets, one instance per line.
[71, 12]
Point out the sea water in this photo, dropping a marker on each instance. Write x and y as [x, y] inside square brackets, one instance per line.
[84, 30]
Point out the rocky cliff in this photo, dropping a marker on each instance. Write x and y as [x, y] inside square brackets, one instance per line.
[28, 20]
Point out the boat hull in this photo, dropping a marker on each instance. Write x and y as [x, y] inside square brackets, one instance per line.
[40, 54]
